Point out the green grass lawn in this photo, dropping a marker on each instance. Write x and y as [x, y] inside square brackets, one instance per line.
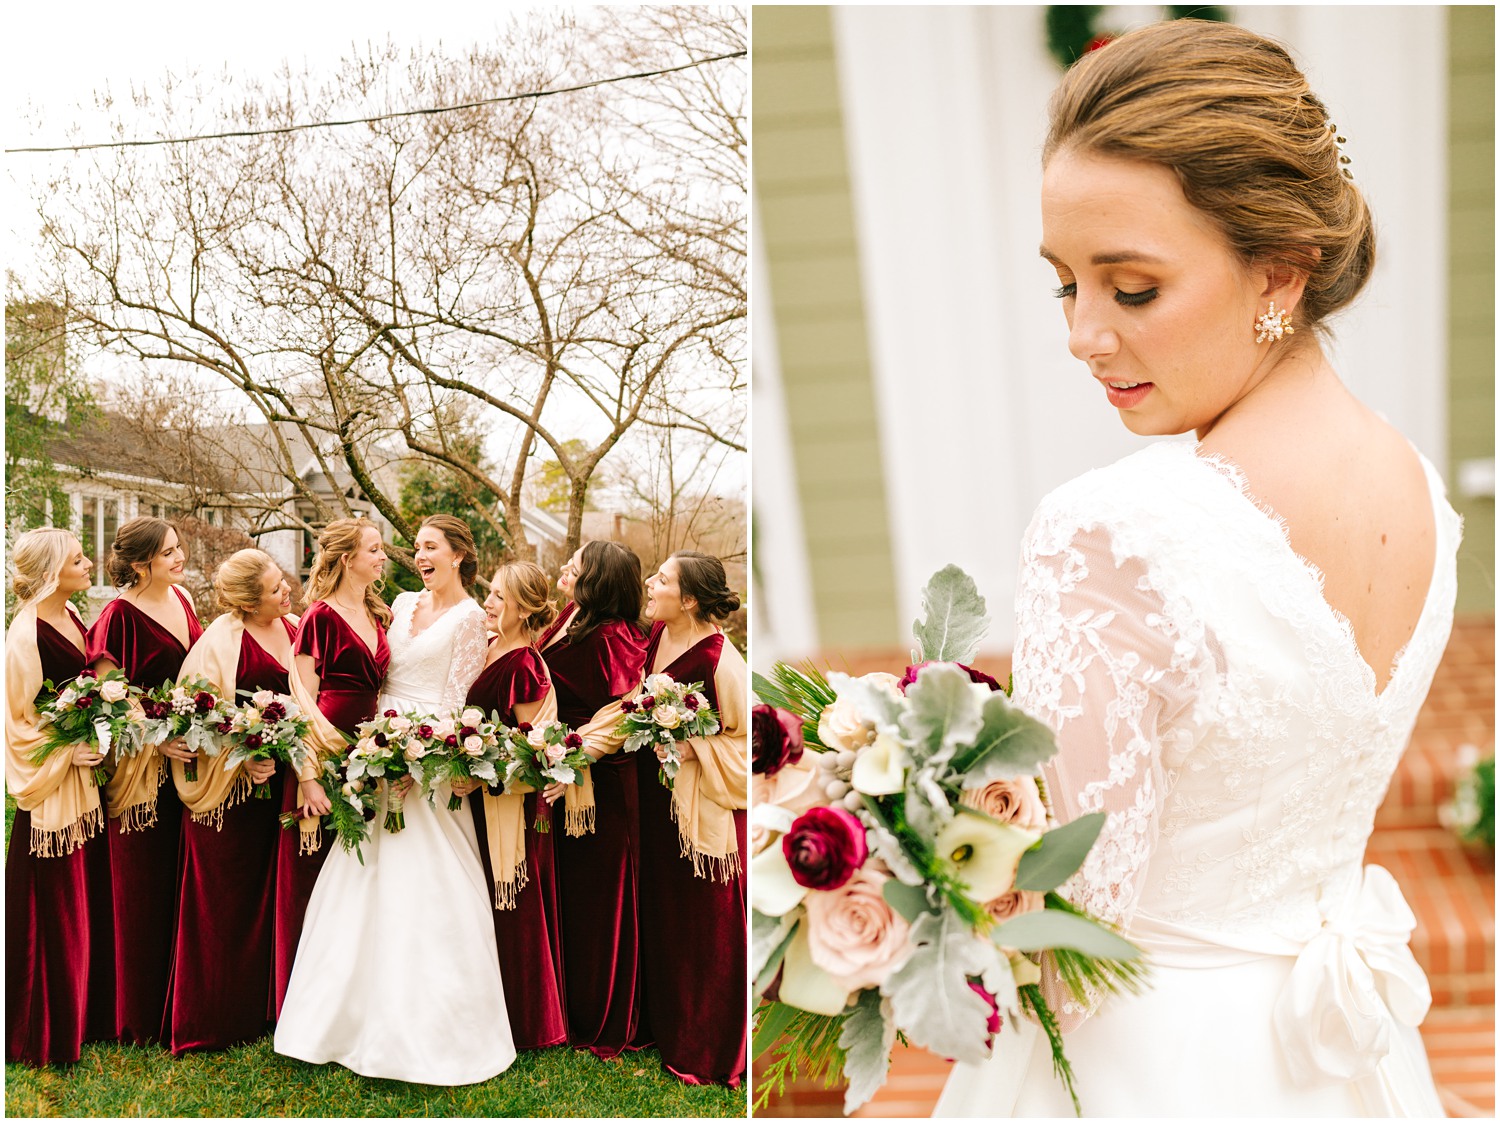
[252, 1080]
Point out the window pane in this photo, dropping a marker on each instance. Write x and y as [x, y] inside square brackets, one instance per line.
[89, 538]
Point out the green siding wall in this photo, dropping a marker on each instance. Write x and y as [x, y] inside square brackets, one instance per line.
[806, 226]
[1471, 286]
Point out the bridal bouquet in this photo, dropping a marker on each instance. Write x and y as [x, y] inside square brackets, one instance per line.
[471, 752]
[541, 755]
[666, 713]
[92, 709]
[192, 709]
[352, 804]
[905, 875]
[385, 748]
[269, 726]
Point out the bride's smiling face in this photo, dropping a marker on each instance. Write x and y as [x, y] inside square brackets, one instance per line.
[1152, 293]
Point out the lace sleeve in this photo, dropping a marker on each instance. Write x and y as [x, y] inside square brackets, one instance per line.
[468, 659]
[1102, 660]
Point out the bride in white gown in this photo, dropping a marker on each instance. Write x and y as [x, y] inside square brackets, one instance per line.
[396, 974]
[1232, 638]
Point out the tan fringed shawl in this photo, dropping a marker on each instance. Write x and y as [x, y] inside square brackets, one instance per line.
[323, 740]
[60, 796]
[712, 786]
[216, 657]
[505, 825]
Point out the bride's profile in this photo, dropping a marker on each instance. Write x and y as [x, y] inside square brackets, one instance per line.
[1232, 637]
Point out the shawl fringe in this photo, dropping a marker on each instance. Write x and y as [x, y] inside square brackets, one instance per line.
[214, 816]
[309, 836]
[578, 821]
[63, 841]
[711, 867]
[138, 817]
[506, 892]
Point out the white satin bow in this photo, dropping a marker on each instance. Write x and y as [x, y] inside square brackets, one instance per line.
[1353, 981]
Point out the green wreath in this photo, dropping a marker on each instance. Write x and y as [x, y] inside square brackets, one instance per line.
[1073, 29]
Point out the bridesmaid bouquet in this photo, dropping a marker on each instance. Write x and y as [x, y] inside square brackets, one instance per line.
[352, 804]
[540, 755]
[905, 875]
[666, 713]
[386, 748]
[269, 726]
[92, 709]
[192, 709]
[471, 752]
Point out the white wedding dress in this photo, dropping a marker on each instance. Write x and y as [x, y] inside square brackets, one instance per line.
[396, 974]
[1211, 701]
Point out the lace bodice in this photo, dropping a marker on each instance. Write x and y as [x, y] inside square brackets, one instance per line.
[1208, 698]
[438, 666]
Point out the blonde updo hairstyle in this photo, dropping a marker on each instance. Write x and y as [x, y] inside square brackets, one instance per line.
[461, 541]
[1230, 113]
[38, 557]
[525, 585]
[137, 542]
[238, 581]
[339, 540]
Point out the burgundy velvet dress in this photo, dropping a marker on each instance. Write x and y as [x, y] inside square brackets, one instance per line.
[528, 936]
[59, 922]
[563, 616]
[596, 874]
[693, 961]
[219, 993]
[349, 677]
[144, 863]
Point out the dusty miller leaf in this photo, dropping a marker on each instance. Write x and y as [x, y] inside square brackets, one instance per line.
[866, 1039]
[1009, 743]
[930, 995]
[944, 711]
[953, 617]
[767, 934]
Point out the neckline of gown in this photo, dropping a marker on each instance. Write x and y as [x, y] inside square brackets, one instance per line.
[84, 650]
[1224, 468]
[373, 656]
[411, 619]
[160, 627]
[291, 634]
[652, 649]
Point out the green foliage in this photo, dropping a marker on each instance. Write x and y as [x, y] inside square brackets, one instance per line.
[866, 1039]
[1031, 998]
[1059, 854]
[554, 490]
[1087, 977]
[953, 617]
[809, 1044]
[429, 488]
[802, 692]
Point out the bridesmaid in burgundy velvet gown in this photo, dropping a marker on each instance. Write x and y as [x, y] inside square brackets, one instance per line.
[219, 993]
[693, 958]
[146, 631]
[596, 660]
[341, 656]
[59, 925]
[514, 684]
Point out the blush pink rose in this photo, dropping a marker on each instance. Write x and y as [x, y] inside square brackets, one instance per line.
[794, 787]
[852, 933]
[1014, 903]
[1018, 802]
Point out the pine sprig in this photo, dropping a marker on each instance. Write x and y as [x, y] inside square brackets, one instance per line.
[1036, 1006]
[804, 692]
[809, 1045]
[1087, 977]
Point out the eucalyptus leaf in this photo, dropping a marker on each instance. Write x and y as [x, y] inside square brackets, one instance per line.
[773, 1021]
[953, 617]
[1009, 743]
[908, 900]
[1058, 928]
[866, 1039]
[930, 994]
[944, 710]
[1059, 854]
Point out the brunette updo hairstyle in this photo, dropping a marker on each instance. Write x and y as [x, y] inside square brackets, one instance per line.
[609, 587]
[237, 581]
[1229, 112]
[136, 543]
[39, 556]
[701, 576]
[525, 585]
[339, 540]
[461, 541]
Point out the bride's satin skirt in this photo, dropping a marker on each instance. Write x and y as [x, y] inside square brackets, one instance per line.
[396, 974]
[1198, 1043]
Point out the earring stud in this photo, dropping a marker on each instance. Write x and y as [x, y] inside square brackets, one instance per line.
[1272, 325]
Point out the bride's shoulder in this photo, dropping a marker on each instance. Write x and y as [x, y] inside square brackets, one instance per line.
[1151, 491]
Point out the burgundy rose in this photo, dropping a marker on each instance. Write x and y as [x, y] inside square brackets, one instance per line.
[467, 731]
[992, 1026]
[647, 702]
[691, 702]
[451, 740]
[824, 847]
[274, 712]
[85, 701]
[974, 676]
[628, 706]
[573, 741]
[203, 701]
[369, 813]
[524, 727]
[225, 727]
[391, 713]
[253, 741]
[381, 739]
[88, 672]
[777, 739]
[424, 731]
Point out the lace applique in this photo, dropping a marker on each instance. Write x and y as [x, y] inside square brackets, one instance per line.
[469, 648]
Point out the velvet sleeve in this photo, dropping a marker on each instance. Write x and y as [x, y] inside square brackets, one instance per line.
[108, 638]
[723, 758]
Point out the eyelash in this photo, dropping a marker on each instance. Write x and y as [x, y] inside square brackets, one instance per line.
[1125, 299]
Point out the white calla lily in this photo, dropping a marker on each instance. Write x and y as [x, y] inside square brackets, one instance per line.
[982, 853]
[1026, 972]
[880, 769]
[804, 984]
[773, 890]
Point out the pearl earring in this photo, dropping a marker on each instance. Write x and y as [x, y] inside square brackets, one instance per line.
[1272, 324]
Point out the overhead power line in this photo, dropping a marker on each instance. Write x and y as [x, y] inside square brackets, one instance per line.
[383, 116]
